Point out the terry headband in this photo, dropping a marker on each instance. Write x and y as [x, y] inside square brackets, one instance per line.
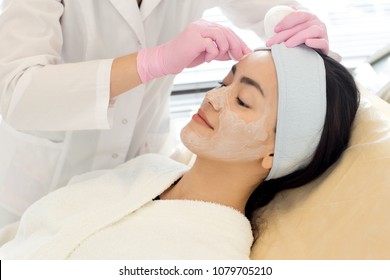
[301, 104]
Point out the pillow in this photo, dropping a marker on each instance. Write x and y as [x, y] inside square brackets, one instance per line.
[344, 214]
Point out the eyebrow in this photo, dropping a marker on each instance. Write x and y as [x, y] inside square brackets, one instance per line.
[248, 81]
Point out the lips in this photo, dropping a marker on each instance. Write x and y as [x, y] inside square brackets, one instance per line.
[203, 116]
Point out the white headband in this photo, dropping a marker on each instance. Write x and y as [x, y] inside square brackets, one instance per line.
[301, 107]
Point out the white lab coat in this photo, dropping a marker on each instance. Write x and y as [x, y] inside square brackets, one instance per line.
[55, 61]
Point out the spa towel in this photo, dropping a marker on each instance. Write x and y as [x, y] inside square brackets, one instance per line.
[113, 216]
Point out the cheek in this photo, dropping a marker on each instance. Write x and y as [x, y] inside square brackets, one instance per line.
[233, 140]
[231, 126]
[242, 125]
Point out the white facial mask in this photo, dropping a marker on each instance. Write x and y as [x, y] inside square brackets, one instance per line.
[234, 139]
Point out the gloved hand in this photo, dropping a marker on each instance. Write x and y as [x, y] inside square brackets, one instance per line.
[301, 27]
[199, 42]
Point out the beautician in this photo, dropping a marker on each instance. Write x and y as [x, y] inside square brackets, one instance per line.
[83, 86]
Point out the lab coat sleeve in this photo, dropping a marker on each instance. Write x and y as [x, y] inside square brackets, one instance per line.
[249, 14]
[37, 91]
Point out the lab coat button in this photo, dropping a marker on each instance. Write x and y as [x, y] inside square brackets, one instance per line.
[124, 121]
[114, 155]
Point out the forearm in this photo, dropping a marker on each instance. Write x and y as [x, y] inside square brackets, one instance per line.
[124, 74]
[56, 85]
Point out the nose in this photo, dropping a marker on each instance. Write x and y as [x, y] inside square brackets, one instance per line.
[217, 97]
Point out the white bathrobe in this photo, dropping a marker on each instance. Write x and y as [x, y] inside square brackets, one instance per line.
[113, 216]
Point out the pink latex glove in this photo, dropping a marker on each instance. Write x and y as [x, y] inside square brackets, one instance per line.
[301, 27]
[201, 41]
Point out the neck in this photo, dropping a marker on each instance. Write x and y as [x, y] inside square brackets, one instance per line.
[228, 184]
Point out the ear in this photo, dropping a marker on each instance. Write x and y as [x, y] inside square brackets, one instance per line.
[267, 161]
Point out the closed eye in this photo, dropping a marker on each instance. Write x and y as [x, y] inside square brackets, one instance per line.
[221, 84]
[241, 103]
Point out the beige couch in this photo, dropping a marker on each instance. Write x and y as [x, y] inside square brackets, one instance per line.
[345, 214]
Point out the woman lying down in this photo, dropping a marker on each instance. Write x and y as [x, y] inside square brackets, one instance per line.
[279, 119]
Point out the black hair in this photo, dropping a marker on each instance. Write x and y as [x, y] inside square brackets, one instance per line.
[342, 100]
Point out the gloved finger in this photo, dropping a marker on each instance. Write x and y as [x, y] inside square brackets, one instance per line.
[211, 50]
[226, 40]
[198, 60]
[224, 57]
[238, 53]
[312, 32]
[293, 19]
[281, 37]
[237, 47]
[219, 37]
[284, 35]
[318, 31]
[320, 44]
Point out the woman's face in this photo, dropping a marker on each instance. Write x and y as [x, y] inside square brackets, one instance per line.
[236, 121]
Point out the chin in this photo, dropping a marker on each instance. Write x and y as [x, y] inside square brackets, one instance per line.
[186, 137]
[194, 141]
